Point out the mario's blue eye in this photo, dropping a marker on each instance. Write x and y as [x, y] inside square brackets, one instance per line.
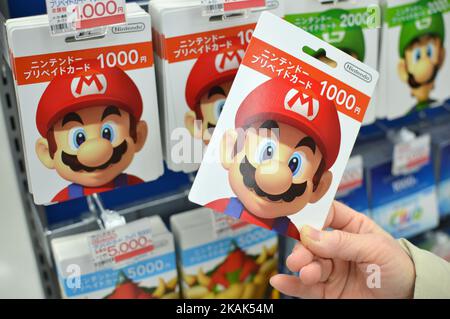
[430, 50]
[295, 163]
[416, 55]
[218, 107]
[266, 150]
[77, 136]
[109, 132]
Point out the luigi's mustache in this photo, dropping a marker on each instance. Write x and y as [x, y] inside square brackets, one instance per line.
[413, 83]
[248, 172]
[75, 165]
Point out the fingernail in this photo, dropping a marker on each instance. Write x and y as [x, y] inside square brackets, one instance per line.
[312, 233]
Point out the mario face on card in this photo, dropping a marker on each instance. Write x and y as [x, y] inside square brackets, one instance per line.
[279, 154]
[284, 138]
[90, 134]
[207, 88]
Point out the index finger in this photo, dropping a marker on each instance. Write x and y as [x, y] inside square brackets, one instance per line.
[347, 219]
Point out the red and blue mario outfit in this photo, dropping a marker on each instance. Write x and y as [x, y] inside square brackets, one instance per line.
[75, 190]
[234, 208]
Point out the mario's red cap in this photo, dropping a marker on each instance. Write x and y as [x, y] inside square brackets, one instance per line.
[302, 108]
[87, 88]
[213, 68]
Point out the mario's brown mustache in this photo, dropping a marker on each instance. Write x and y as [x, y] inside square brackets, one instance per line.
[75, 165]
[248, 172]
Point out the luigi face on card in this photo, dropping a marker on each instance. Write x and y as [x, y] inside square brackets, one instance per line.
[279, 155]
[421, 56]
[92, 132]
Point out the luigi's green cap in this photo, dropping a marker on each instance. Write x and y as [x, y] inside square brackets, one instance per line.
[348, 39]
[431, 25]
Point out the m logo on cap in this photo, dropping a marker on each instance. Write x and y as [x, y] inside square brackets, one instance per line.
[229, 60]
[301, 104]
[88, 85]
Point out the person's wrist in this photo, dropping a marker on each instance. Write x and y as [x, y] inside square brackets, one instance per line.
[409, 270]
[413, 278]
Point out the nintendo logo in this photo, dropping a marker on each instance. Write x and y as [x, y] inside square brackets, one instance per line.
[358, 72]
[128, 28]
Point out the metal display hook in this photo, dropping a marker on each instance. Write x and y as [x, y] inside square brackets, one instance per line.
[106, 218]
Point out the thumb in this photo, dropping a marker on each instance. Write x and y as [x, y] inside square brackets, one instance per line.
[338, 244]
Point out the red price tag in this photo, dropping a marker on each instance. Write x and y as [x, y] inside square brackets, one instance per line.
[410, 156]
[67, 18]
[112, 248]
[233, 5]
[213, 7]
[99, 13]
[353, 175]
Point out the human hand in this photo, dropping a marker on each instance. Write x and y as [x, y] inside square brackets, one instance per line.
[334, 264]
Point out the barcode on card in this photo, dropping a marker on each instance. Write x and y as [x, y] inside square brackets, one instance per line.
[58, 28]
[215, 7]
[105, 263]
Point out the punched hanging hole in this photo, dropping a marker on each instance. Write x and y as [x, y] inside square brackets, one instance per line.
[89, 34]
[8, 100]
[223, 17]
[76, 39]
[320, 55]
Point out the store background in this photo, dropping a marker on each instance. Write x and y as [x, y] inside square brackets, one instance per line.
[25, 230]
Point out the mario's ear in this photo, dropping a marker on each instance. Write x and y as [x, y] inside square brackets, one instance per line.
[191, 124]
[43, 153]
[322, 187]
[402, 71]
[227, 146]
[141, 135]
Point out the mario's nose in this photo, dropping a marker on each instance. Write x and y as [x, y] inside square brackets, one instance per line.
[273, 177]
[95, 152]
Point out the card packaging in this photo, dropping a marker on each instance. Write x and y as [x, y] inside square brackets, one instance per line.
[221, 257]
[88, 108]
[286, 131]
[440, 141]
[352, 190]
[197, 58]
[347, 26]
[134, 261]
[403, 204]
[443, 149]
[415, 40]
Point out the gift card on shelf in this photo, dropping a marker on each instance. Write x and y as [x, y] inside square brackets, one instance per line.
[197, 58]
[221, 257]
[134, 261]
[352, 27]
[88, 108]
[416, 39]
